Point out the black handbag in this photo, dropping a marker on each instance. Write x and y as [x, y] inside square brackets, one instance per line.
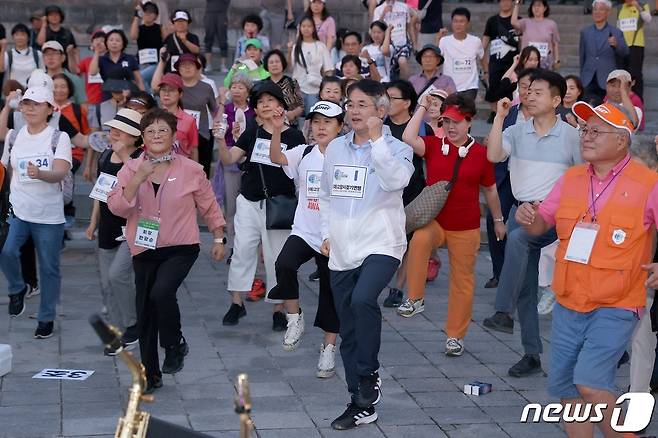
[279, 209]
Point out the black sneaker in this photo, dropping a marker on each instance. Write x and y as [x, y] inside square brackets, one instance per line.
[17, 303]
[153, 383]
[492, 283]
[279, 322]
[354, 416]
[315, 276]
[394, 298]
[369, 392]
[527, 366]
[44, 330]
[174, 357]
[130, 337]
[500, 322]
[235, 312]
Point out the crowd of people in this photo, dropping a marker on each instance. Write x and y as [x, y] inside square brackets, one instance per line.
[312, 149]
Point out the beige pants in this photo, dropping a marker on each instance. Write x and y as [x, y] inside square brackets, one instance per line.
[643, 351]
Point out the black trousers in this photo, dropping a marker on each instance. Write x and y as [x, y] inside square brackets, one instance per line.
[158, 275]
[296, 252]
[205, 154]
[215, 24]
[497, 248]
[29, 263]
[355, 293]
[633, 64]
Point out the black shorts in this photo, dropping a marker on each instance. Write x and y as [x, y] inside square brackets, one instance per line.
[496, 72]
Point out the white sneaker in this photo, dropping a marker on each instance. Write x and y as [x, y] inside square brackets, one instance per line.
[411, 307]
[546, 302]
[454, 347]
[32, 291]
[327, 362]
[294, 331]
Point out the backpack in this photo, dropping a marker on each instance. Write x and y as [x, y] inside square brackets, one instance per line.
[10, 58]
[67, 182]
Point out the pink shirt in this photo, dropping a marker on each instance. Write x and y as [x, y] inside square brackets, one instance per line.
[326, 29]
[184, 190]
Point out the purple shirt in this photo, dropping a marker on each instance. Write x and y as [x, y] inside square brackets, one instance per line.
[442, 82]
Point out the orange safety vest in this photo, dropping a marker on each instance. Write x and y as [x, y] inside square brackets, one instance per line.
[613, 277]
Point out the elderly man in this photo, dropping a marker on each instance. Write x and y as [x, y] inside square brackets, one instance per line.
[605, 214]
[363, 220]
[430, 60]
[600, 45]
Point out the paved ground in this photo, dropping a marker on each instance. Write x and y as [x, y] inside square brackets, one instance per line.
[421, 391]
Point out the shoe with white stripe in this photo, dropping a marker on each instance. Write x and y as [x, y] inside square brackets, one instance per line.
[454, 347]
[354, 416]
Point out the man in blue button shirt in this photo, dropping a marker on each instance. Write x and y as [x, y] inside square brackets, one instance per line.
[600, 46]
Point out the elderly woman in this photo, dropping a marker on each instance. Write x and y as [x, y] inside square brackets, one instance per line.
[114, 260]
[458, 158]
[160, 194]
[40, 157]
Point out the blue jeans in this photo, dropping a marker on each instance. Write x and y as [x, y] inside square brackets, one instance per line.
[518, 285]
[48, 242]
[147, 70]
[309, 101]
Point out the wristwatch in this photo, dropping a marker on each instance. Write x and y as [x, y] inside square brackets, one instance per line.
[221, 241]
[499, 219]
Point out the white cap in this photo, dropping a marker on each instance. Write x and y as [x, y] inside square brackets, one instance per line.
[40, 95]
[327, 109]
[181, 15]
[619, 74]
[55, 45]
[608, 3]
[40, 78]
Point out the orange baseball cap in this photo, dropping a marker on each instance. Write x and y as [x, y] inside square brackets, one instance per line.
[608, 112]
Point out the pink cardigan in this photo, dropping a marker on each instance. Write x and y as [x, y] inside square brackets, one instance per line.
[183, 191]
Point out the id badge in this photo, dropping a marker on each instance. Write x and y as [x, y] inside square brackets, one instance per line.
[349, 181]
[147, 232]
[462, 66]
[261, 152]
[628, 24]
[313, 178]
[542, 47]
[148, 56]
[581, 242]
[41, 161]
[104, 185]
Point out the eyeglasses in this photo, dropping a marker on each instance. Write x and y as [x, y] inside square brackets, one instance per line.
[396, 98]
[594, 132]
[351, 106]
[160, 132]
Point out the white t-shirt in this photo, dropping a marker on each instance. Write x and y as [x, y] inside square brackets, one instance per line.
[22, 64]
[318, 60]
[307, 174]
[382, 62]
[397, 18]
[461, 60]
[34, 200]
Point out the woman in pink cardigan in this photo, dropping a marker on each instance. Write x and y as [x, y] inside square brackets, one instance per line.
[159, 194]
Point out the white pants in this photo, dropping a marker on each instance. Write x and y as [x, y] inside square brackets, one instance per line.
[249, 233]
[643, 351]
[547, 264]
[232, 188]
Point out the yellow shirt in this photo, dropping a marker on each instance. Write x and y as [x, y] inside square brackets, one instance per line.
[631, 24]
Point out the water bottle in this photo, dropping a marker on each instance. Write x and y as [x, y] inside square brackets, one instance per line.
[223, 126]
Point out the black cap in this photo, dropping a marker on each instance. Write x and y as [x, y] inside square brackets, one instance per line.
[434, 49]
[267, 87]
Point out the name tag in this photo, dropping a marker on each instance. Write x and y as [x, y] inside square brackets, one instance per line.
[463, 66]
[628, 24]
[196, 115]
[581, 243]
[173, 60]
[148, 56]
[104, 185]
[94, 79]
[496, 48]
[147, 233]
[43, 162]
[313, 178]
[542, 47]
[349, 181]
[261, 152]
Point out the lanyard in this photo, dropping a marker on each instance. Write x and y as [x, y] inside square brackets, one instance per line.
[159, 193]
[592, 206]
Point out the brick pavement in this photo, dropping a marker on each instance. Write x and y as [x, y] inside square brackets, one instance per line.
[421, 390]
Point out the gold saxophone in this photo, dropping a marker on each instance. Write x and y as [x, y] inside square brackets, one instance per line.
[135, 423]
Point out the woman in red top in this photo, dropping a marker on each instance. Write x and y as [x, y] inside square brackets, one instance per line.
[187, 134]
[458, 223]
